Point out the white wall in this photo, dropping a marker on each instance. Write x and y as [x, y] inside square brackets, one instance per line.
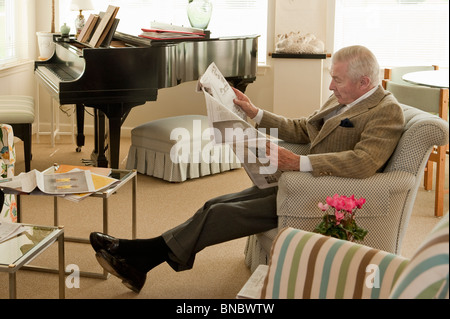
[301, 85]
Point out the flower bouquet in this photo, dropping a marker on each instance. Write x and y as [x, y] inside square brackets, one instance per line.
[342, 223]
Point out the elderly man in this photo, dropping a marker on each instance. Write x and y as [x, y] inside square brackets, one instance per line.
[358, 127]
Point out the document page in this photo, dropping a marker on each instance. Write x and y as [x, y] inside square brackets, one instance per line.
[73, 182]
[229, 126]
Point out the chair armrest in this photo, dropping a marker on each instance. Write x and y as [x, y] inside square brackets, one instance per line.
[300, 149]
[307, 265]
[302, 190]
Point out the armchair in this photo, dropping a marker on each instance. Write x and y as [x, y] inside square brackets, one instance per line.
[8, 207]
[390, 194]
[306, 265]
[435, 101]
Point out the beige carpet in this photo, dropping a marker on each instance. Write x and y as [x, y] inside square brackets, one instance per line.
[219, 271]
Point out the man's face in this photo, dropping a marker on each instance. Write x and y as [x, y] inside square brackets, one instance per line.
[343, 87]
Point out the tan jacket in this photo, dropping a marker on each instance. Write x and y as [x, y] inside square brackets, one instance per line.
[356, 143]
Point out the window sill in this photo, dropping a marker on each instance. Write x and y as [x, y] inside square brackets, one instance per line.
[12, 67]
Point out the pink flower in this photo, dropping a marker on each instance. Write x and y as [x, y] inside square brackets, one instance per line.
[339, 217]
[336, 201]
[359, 202]
[323, 207]
[350, 203]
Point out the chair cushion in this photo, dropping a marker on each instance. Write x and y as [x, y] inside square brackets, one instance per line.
[178, 148]
[427, 274]
[16, 109]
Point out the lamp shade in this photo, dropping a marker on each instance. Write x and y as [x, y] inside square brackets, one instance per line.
[77, 5]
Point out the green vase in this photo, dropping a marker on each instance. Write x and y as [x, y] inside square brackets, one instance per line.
[199, 13]
[65, 29]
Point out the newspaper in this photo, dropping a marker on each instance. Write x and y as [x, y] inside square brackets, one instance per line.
[254, 285]
[73, 182]
[229, 125]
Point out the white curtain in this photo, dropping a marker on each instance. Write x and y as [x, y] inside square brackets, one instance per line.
[399, 32]
[16, 31]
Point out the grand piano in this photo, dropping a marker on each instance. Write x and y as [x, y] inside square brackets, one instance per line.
[129, 72]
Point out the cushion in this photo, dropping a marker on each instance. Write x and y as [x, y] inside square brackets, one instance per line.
[178, 148]
[16, 109]
[307, 265]
[427, 274]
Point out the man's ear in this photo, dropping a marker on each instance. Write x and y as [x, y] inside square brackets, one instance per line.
[364, 82]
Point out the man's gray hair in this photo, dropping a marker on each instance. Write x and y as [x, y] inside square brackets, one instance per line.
[361, 62]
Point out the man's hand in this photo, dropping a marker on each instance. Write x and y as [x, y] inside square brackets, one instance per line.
[245, 104]
[287, 161]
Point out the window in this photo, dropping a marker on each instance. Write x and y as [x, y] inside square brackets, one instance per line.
[399, 32]
[6, 34]
[14, 32]
[229, 17]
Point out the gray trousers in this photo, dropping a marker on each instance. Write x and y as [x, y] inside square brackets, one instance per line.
[221, 219]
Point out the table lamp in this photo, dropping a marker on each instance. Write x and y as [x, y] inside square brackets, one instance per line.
[80, 5]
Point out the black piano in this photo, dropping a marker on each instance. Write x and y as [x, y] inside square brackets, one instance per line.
[112, 80]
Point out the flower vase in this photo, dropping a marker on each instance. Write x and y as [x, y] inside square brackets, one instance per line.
[46, 45]
[199, 13]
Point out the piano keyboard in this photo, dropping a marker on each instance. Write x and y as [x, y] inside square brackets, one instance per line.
[57, 73]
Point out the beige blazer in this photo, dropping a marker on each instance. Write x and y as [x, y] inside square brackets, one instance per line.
[356, 143]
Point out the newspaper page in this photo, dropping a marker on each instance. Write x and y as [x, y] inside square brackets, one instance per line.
[229, 126]
[73, 182]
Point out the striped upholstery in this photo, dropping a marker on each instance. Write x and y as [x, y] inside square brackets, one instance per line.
[307, 265]
[16, 109]
[427, 274]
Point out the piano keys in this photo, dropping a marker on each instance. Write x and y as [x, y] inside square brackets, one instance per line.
[129, 73]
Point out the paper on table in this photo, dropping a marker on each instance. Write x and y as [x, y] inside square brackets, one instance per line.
[56, 184]
[9, 230]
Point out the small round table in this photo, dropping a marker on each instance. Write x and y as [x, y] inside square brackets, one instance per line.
[437, 78]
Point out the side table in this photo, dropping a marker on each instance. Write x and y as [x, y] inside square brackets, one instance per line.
[18, 251]
[124, 176]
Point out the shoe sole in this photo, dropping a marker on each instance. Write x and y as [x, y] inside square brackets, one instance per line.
[106, 266]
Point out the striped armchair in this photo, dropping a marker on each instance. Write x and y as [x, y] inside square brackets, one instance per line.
[390, 194]
[8, 207]
[306, 265]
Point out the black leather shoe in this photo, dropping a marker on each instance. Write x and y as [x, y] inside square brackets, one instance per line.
[102, 241]
[131, 277]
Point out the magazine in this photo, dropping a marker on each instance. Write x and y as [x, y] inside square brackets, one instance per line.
[230, 126]
[73, 182]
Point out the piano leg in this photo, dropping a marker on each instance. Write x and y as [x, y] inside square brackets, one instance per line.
[80, 126]
[114, 141]
[98, 155]
[116, 114]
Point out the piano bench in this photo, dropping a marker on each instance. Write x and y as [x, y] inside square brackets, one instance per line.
[178, 148]
[18, 111]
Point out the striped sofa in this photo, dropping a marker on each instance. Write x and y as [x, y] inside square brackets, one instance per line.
[307, 265]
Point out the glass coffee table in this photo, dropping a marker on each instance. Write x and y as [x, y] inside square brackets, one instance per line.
[123, 176]
[18, 251]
